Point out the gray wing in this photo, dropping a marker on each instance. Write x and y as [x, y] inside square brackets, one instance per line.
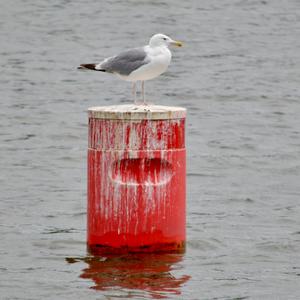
[126, 62]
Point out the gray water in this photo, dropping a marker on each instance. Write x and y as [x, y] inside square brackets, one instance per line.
[239, 77]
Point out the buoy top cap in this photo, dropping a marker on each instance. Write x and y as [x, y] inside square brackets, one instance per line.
[137, 112]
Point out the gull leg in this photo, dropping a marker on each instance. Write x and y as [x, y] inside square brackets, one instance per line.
[143, 92]
[134, 91]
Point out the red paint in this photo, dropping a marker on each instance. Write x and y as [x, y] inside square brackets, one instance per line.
[136, 185]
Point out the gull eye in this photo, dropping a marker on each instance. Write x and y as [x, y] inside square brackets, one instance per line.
[164, 39]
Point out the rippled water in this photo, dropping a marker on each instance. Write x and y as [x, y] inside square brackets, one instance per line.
[238, 75]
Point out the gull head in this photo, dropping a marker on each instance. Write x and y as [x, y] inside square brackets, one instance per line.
[160, 39]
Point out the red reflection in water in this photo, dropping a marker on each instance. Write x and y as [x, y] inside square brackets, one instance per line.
[147, 272]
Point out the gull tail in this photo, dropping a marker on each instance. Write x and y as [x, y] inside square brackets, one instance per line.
[94, 67]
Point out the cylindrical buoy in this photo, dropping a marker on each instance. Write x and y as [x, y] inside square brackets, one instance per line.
[136, 179]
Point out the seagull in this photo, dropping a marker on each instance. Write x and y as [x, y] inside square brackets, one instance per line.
[139, 64]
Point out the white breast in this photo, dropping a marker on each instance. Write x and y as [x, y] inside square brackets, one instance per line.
[160, 58]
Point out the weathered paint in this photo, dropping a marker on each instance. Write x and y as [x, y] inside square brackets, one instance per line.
[140, 112]
[136, 181]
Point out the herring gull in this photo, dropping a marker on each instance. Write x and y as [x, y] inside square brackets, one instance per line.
[139, 64]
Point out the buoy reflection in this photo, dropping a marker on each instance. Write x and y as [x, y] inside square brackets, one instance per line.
[147, 272]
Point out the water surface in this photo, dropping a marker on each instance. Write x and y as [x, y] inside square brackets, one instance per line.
[238, 75]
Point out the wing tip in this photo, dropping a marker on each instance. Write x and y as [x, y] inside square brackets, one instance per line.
[90, 67]
[87, 66]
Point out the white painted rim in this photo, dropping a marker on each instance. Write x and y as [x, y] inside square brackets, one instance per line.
[137, 112]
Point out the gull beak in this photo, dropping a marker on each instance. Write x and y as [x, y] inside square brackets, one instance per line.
[176, 43]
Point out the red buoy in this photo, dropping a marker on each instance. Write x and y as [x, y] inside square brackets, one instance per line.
[136, 179]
